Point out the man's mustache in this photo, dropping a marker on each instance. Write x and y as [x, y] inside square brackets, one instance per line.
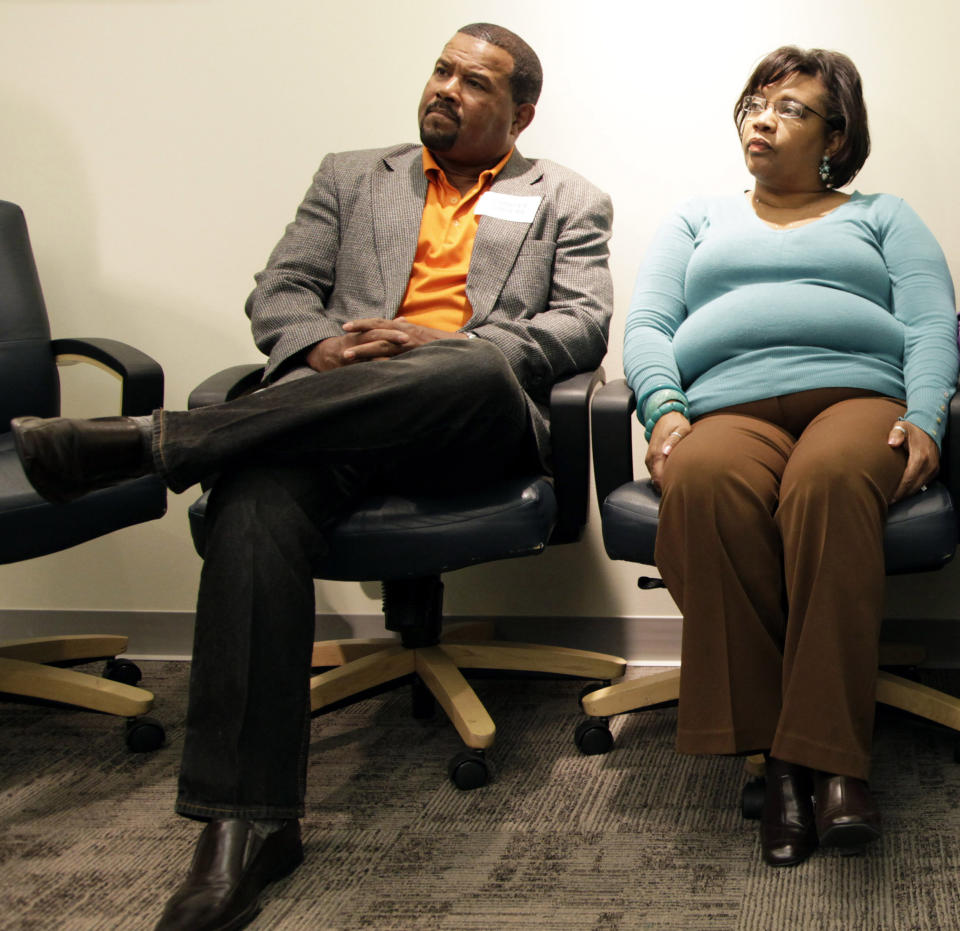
[438, 106]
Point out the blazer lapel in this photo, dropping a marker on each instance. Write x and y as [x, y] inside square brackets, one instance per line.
[498, 241]
[399, 189]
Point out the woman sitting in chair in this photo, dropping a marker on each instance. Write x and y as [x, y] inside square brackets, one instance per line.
[793, 351]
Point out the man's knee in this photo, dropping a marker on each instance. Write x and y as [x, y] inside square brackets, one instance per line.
[471, 373]
[469, 360]
[488, 359]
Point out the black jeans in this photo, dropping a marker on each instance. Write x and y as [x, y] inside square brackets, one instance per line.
[292, 459]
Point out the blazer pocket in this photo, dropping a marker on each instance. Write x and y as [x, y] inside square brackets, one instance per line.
[527, 290]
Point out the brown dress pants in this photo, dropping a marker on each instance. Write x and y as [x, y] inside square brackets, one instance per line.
[771, 543]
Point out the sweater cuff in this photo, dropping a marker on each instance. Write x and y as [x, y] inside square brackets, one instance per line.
[929, 410]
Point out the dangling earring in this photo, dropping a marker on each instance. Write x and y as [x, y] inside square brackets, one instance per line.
[825, 170]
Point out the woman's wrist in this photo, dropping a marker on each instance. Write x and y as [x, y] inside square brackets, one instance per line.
[666, 407]
[657, 398]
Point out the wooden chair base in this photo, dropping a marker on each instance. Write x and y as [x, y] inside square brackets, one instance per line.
[893, 690]
[918, 699]
[365, 664]
[634, 694]
[23, 673]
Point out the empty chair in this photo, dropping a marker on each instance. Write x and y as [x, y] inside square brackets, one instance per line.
[29, 525]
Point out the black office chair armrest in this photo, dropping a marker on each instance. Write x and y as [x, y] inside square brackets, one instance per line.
[950, 453]
[610, 416]
[141, 376]
[225, 385]
[570, 444]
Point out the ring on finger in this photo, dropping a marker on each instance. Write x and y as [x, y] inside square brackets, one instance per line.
[901, 429]
[677, 434]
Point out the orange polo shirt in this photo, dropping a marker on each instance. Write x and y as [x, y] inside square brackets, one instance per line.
[437, 292]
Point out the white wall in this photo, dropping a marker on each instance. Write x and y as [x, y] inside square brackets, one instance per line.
[159, 147]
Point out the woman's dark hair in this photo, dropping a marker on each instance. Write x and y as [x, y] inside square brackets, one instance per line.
[846, 110]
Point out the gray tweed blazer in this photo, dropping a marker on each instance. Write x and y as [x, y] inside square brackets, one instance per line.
[540, 291]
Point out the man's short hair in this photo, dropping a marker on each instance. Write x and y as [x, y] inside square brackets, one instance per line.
[526, 79]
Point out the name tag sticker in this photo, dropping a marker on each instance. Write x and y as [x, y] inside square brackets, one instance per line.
[507, 207]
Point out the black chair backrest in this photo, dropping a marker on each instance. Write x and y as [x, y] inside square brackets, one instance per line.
[28, 373]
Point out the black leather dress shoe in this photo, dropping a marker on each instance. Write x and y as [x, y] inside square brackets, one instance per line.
[788, 834]
[231, 866]
[65, 458]
[847, 816]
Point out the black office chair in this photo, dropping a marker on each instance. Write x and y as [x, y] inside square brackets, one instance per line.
[408, 542]
[30, 526]
[921, 536]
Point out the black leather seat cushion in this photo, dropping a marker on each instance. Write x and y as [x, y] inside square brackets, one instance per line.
[397, 537]
[921, 532]
[30, 526]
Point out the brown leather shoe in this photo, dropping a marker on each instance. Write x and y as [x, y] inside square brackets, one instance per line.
[787, 831]
[65, 458]
[231, 866]
[847, 816]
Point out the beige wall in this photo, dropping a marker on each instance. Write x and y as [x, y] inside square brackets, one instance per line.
[158, 148]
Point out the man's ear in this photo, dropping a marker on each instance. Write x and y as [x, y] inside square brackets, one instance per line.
[523, 117]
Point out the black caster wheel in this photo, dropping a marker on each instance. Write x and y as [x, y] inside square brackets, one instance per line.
[593, 736]
[122, 670]
[469, 769]
[751, 799]
[144, 734]
[956, 751]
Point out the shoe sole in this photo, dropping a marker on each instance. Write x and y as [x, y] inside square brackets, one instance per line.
[850, 837]
[795, 860]
[779, 864]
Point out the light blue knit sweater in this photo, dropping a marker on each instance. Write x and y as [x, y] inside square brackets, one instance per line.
[734, 311]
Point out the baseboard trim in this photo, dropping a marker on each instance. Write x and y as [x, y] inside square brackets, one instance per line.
[653, 641]
[642, 641]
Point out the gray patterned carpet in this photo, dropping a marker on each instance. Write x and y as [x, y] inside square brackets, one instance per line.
[640, 838]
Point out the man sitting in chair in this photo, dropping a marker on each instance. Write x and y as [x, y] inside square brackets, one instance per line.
[416, 314]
